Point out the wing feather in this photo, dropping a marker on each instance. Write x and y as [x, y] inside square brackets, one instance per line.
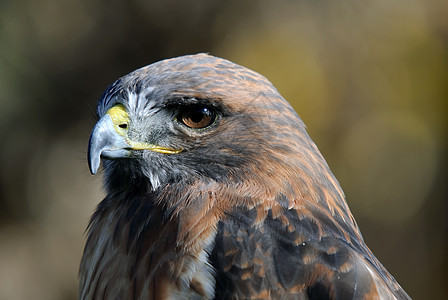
[292, 256]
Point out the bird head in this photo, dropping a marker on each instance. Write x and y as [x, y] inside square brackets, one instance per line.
[202, 118]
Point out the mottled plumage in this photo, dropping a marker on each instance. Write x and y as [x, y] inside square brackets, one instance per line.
[215, 190]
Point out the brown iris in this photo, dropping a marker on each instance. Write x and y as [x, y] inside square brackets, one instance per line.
[196, 117]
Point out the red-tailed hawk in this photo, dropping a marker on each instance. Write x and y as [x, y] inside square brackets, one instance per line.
[216, 191]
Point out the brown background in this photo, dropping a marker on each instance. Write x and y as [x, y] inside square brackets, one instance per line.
[369, 78]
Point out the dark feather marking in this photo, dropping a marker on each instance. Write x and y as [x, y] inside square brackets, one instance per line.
[96, 270]
[319, 291]
[282, 199]
[96, 291]
[105, 291]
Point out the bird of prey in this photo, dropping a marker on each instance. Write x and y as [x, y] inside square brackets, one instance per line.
[216, 191]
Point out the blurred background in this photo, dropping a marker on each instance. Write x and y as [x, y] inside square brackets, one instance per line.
[369, 78]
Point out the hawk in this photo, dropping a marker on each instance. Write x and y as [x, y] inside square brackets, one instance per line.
[216, 191]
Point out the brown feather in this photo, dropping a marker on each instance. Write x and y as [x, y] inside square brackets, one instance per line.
[270, 221]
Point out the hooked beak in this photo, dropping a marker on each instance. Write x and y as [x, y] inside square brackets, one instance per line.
[109, 139]
[106, 142]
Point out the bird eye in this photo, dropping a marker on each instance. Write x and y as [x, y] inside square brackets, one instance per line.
[196, 117]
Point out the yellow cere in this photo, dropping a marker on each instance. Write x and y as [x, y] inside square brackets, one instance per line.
[120, 119]
[119, 116]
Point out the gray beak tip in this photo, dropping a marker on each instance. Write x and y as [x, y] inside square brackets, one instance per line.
[93, 159]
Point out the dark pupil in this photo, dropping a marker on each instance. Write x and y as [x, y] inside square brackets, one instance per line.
[196, 117]
[198, 114]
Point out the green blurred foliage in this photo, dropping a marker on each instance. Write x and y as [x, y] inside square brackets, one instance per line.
[369, 78]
